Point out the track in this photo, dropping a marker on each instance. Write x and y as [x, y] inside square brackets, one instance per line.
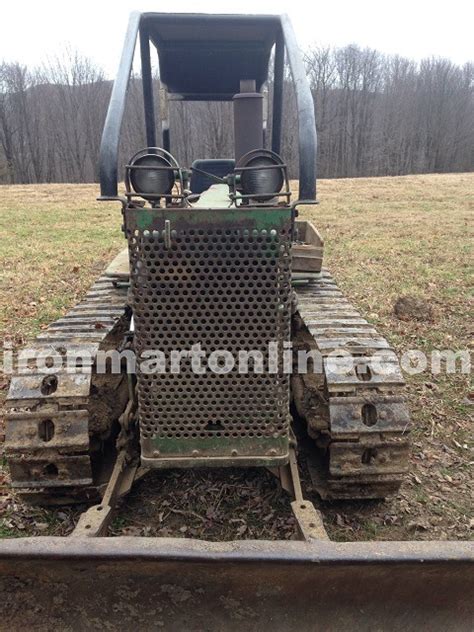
[357, 415]
[60, 424]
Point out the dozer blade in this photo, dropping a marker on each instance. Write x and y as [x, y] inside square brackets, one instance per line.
[182, 584]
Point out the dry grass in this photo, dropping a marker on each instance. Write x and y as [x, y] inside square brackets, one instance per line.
[385, 237]
[55, 240]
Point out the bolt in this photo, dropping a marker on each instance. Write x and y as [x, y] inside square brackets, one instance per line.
[383, 414]
[272, 452]
[195, 452]
[234, 453]
[356, 414]
[156, 453]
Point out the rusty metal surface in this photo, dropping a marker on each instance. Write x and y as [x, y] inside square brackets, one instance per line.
[223, 281]
[309, 519]
[95, 520]
[359, 415]
[70, 430]
[307, 249]
[119, 267]
[180, 584]
[50, 470]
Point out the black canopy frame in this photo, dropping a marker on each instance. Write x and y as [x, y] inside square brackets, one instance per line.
[204, 57]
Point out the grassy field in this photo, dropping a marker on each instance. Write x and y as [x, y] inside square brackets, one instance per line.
[385, 238]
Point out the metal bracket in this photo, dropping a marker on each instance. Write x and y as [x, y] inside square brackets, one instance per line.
[167, 234]
[94, 521]
[309, 519]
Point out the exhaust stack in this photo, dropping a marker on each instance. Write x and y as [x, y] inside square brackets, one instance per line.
[248, 119]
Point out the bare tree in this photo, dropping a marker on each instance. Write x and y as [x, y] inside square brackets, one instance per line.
[375, 114]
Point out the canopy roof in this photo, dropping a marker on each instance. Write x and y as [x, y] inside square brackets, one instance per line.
[204, 57]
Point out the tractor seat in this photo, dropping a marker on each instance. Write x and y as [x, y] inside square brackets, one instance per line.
[220, 168]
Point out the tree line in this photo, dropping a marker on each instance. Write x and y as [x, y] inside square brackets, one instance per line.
[376, 115]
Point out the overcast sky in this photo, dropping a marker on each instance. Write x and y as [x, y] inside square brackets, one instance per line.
[31, 31]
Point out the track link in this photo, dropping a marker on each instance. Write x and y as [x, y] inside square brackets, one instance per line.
[355, 411]
[60, 424]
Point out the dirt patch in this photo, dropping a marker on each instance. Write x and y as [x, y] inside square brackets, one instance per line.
[413, 308]
[221, 504]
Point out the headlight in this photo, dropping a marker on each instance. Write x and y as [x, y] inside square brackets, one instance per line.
[262, 174]
[152, 174]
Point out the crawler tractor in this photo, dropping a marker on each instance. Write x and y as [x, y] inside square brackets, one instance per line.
[219, 271]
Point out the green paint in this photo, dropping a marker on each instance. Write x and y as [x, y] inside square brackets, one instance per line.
[221, 446]
[144, 218]
[248, 218]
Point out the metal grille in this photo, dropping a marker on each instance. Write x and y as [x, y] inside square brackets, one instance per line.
[221, 279]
